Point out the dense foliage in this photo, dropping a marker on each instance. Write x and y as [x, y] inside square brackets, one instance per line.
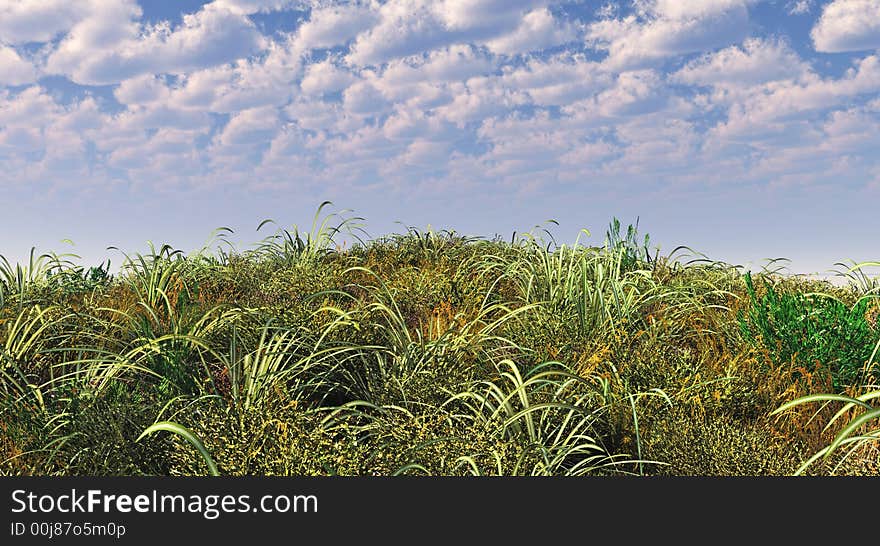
[811, 329]
[432, 353]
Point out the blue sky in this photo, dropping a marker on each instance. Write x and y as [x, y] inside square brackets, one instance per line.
[746, 129]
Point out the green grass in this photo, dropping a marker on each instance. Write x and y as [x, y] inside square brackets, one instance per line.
[430, 352]
[812, 329]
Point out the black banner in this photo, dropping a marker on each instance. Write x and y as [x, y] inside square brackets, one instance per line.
[460, 510]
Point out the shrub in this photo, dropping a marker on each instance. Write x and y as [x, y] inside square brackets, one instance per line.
[692, 443]
[810, 329]
[279, 440]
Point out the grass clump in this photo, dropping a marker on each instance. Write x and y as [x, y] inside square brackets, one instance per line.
[811, 329]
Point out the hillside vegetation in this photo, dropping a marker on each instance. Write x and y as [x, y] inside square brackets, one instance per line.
[433, 353]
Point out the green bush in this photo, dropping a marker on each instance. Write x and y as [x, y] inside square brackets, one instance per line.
[811, 330]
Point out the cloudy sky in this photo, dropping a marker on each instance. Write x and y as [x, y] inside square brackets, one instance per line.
[746, 129]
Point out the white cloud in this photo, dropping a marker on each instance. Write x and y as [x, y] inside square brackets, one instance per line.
[455, 63]
[656, 148]
[421, 95]
[41, 139]
[33, 106]
[756, 61]
[335, 25]
[832, 150]
[420, 153]
[848, 25]
[787, 99]
[799, 7]
[94, 38]
[314, 116]
[259, 82]
[325, 77]
[248, 83]
[23, 21]
[538, 30]
[405, 27]
[410, 27]
[636, 92]
[157, 116]
[287, 143]
[560, 80]
[241, 143]
[249, 127]
[779, 117]
[166, 143]
[112, 46]
[363, 98]
[590, 153]
[365, 147]
[13, 69]
[424, 80]
[247, 7]
[82, 117]
[478, 99]
[487, 15]
[201, 88]
[142, 90]
[693, 9]
[666, 28]
[855, 130]
[406, 125]
[633, 93]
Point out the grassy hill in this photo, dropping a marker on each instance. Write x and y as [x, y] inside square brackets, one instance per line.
[433, 353]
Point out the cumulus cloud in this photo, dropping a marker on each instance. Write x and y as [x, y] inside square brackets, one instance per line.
[779, 124]
[167, 144]
[253, 83]
[363, 98]
[848, 25]
[24, 21]
[449, 93]
[632, 93]
[409, 27]
[559, 80]
[454, 63]
[314, 116]
[13, 69]
[141, 90]
[756, 61]
[325, 77]
[243, 141]
[33, 105]
[250, 127]
[665, 28]
[404, 28]
[799, 7]
[538, 30]
[247, 83]
[247, 7]
[691, 9]
[483, 14]
[95, 37]
[785, 99]
[478, 99]
[112, 46]
[336, 25]
[420, 154]
[41, 139]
